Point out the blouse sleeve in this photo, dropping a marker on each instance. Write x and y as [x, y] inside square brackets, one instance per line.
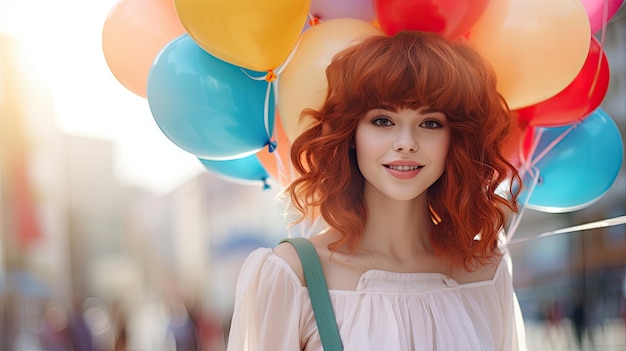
[515, 335]
[268, 302]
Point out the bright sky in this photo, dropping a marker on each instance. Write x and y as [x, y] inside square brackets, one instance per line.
[63, 38]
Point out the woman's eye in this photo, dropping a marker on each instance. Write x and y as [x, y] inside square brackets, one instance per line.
[382, 122]
[431, 124]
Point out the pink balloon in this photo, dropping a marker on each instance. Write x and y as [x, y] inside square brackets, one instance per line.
[328, 9]
[595, 10]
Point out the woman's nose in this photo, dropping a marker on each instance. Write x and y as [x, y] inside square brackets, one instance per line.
[406, 142]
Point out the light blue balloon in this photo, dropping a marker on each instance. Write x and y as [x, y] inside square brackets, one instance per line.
[206, 106]
[580, 168]
[241, 170]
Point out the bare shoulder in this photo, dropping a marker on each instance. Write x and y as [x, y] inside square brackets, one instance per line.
[287, 252]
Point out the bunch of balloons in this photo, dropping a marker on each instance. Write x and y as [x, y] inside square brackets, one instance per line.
[226, 80]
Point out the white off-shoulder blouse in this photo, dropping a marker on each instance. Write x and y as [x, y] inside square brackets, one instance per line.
[387, 311]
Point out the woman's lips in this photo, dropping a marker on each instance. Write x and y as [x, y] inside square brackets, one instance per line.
[403, 170]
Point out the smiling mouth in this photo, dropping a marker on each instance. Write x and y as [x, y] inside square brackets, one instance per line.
[403, 168]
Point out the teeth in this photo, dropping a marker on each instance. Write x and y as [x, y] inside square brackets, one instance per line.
[404, 168]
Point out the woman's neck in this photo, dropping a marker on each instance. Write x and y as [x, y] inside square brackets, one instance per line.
[397, 228]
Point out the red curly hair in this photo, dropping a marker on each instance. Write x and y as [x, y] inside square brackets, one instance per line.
[411, 70]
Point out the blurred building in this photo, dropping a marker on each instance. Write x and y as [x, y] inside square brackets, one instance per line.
[69, 231]
[31, 233]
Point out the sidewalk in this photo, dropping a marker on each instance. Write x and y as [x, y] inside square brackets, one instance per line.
[610, 336]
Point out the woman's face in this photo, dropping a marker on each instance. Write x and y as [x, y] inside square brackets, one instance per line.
[401, 154]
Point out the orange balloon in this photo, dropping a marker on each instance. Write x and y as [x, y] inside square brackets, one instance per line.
[536, 47]
[133, 34]
[303, 83]
[278, 162]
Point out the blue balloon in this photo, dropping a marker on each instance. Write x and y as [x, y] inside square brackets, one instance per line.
[241, 170]
[206, 106]
[580, 168]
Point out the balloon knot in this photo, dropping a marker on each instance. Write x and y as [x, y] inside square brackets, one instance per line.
[271, 76]
[266, 186]
[271, 146]
[539, 180]
[314, 21]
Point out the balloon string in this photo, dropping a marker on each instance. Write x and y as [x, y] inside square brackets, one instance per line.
[554, 142]
[266, 105]
[273, 74]
[524, 168]
[587, 226]
[266, 116]
[282, 67]
[313, 20]
[251, 76]
[605, 20]
[529, 167]
[271, 77]
[279, 163]
[526, 160]
[517, 218]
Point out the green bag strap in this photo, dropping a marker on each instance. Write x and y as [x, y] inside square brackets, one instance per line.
[318, 290]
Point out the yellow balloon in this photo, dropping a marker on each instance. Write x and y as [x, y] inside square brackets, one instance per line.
[253, 34]
[303, 82]
[536, 47]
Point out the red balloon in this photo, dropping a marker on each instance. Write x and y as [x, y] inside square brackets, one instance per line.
[517, 145]
[449, 18]
[581, 97]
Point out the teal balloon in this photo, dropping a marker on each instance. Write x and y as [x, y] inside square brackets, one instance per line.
[243, 170]
[206, 106]
[580, 168]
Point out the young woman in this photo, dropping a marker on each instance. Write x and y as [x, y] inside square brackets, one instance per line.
[402, 162]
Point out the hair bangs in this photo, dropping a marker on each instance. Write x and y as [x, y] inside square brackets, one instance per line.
[398, 73]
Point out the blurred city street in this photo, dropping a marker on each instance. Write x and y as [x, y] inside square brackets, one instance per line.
[92, 261]
[609, 337]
